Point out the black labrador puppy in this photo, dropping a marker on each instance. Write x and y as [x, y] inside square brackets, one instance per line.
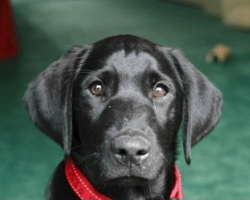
[116, 107]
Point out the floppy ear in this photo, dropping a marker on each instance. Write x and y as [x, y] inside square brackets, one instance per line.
[48, 98]
[202, 104]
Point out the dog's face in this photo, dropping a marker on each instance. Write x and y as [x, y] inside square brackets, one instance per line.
[117, 106]
[126, 116]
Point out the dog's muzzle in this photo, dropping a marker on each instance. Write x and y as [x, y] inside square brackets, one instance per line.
[130, 150]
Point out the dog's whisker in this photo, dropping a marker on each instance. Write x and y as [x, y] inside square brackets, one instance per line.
[83, 159]
[84, 144]
[155, 106]
[166, 160]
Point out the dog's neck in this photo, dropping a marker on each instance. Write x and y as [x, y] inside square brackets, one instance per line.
[156, 190]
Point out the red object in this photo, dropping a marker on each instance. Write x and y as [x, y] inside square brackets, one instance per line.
[8, 42]
[177, 190]
[85, 191]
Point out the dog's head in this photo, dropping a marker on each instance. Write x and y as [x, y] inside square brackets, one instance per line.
[117, 107]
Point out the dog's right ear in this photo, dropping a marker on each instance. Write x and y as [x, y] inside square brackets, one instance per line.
[48, 98]
[202, 101]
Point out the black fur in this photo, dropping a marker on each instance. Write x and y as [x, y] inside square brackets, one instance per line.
[92, 129]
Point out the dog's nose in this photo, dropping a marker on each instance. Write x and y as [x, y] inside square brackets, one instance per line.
[130, 149]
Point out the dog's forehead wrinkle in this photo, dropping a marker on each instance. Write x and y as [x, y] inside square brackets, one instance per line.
[133, 62]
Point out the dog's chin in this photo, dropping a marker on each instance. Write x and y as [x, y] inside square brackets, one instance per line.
[128, 181]
[131, 177]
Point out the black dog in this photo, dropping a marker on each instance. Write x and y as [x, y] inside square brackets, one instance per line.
[115, 108]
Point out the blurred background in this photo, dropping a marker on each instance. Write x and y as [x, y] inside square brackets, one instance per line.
[34, 33]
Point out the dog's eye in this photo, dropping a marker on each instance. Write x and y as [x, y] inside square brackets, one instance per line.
[160, 91]
[96, 89]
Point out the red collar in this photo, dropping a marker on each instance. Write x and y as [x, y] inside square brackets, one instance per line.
[85, 191]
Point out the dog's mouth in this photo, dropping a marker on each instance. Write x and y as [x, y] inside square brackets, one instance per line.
[132, 177]
[129, 180]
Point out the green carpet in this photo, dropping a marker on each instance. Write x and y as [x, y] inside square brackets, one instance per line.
[46, 29]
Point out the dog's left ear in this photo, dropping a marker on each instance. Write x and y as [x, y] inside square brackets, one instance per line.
[202, 105]
[48, 98]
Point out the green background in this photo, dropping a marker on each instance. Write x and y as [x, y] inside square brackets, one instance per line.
[46, 29]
